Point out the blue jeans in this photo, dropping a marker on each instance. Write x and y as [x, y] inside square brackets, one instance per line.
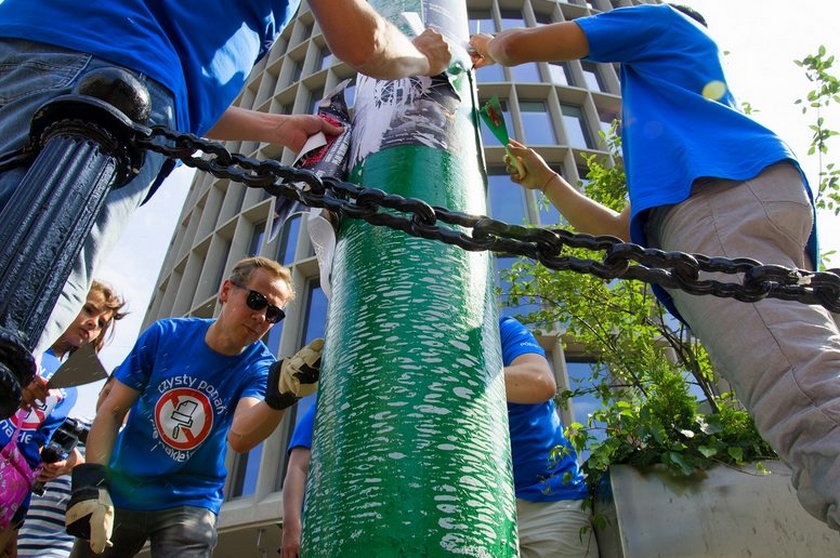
[30, 75]
[185, 532]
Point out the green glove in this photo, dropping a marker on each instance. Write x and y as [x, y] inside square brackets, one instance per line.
[292, 378]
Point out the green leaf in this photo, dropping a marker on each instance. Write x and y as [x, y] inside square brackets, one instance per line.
[707, 451]
[735, 453]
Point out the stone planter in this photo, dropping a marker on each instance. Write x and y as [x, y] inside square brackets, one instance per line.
[723, 512]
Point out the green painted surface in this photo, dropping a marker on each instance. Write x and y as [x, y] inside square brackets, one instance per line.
[411, 434]
[411, 453]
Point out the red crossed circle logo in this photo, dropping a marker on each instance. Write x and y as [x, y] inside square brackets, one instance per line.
[183, 418]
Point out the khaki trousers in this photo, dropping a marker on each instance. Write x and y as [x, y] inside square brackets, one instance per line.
[782, 358]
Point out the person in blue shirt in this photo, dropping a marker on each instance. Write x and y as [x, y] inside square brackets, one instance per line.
[703, 177]
[194, 59]
[48, 409]
[193, 386]
[550, 489]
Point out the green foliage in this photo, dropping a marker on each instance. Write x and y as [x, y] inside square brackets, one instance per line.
[818, 69]
[646, 364]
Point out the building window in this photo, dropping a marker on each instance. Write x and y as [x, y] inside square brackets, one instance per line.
[558, 73]
[536, 123]
[315, 97]
[543, 19]
[573, 121]
[288, 240]
[503, 264]
[505, 199]
[326, 58]
[525, 73]
[314, 326]
[487, 136]
[512, 18]
[606, 118]
[592, 76]
[580, 373]
[297, 70]
[256, 239]
[350, 94]
[246, 469]
[315, 322]
[583, 182]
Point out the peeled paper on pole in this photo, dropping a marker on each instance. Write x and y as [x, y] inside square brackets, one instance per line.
[322, 155]
[492, 116]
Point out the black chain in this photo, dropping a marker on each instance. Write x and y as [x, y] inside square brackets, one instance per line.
[673, 270]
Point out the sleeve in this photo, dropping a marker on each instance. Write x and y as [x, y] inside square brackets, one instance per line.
[59, 413]
[258, 374]
[516, 340]
[136, 369]
[302, 436]
[629, 34]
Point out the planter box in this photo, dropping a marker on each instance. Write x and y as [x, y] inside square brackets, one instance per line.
[723, 512]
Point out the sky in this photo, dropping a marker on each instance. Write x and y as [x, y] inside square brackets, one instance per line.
[763, 38]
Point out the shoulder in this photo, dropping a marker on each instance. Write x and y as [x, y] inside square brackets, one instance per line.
[645, 20]
[516, 340]
[170, 325]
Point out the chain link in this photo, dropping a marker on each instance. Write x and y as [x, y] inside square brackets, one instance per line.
[751, 282]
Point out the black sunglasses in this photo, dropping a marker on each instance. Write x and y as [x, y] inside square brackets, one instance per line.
[257, 301]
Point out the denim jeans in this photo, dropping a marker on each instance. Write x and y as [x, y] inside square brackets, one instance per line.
[182, 532]
[30, 75]
[782, 357]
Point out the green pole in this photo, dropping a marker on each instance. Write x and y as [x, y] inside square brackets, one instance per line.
[410, 454]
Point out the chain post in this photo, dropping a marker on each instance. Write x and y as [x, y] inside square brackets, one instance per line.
[84, 143]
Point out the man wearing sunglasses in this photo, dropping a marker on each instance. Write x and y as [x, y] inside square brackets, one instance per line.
[191, 384]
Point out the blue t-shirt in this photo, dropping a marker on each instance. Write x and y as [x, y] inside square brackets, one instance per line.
[542, 456]
[545, 465]
[39, 424]
[201, 51]
[172, 450]
[671, 133]
[302, 436]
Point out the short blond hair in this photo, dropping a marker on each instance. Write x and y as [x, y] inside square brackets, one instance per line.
[243, 269]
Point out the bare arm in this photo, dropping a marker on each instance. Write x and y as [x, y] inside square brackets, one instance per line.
[584, 214]
[528, 379]
[289, 130]
[293, 491]
[253, 422]
[558, 41]
[106, 425]
[363, 39]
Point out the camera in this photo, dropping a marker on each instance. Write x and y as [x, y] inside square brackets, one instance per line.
[64, 439]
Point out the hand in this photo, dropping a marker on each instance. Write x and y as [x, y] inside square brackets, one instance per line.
[36, 390]
[436, 50]
[90, 512]
[535, 172]
[292, 378]
[480, 50]
[290, 546]
[293, 130]
[49, 471]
